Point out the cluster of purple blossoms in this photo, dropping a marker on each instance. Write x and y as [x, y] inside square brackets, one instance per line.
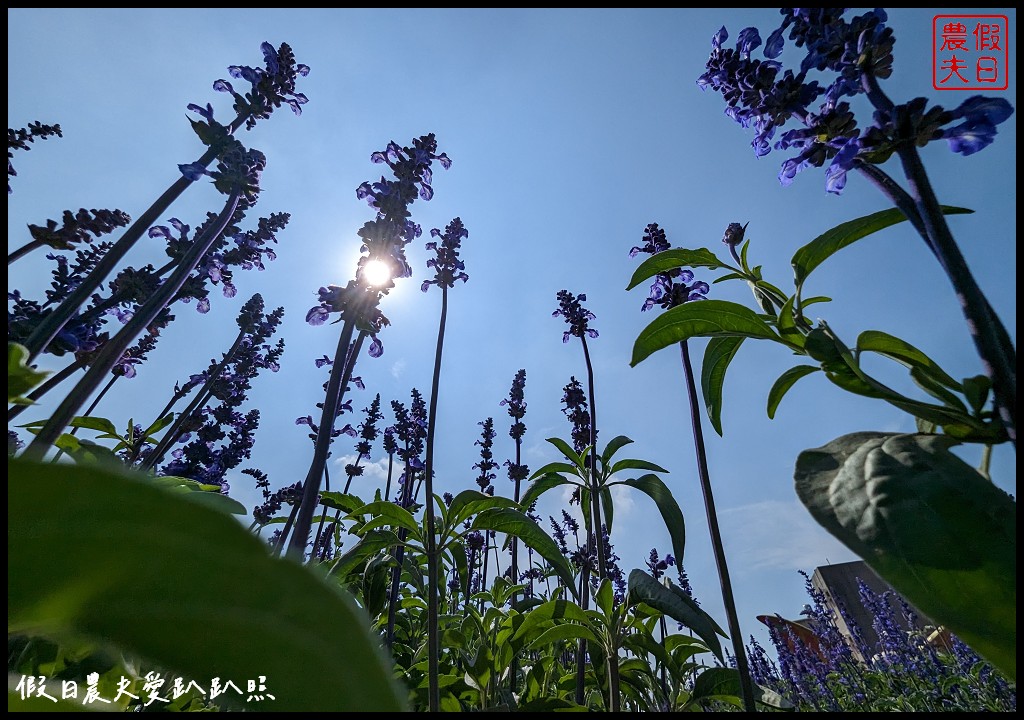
[657, 565]
[385, 237]
[367, 433]
[486, 465]
[78, 228]
[447, 266]
[22, 138]
[858, 52]
[577, 316]
[516, 404]
[574, 401]
[671, 288]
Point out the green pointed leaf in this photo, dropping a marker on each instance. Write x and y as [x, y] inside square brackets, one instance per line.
[540, 616]
[158, 425]
[717, 683]
[20, 377]
[784, 383]
[672, 259]
[937, 530]
[470, 502]
[634, 464]
[540, 486]
[372, 543]
[94, 423]
[976, 390]
[110, 557]
[707, 318]
[564, 632]
[559, 468]
[391, 513]
[605, 598]
[717, 356]
[570, 453]
[656, 490]
[786, 323]
[513, 522]
[613, 446]
[608, 507]
[347, 503]
[677, 605]
[905, 354]
[811, 255]
[218, 501]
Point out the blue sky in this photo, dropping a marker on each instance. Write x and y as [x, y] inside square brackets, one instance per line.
[569, 131]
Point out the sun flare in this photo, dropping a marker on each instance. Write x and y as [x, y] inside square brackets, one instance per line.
[377, 272]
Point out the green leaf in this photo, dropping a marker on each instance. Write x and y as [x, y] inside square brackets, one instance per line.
[717, 356]
[677, 605]
[112, 558]
[340, 501]
[719, 683]
[566, 631]
[613, 446]
[541, 486]
[656, 490]
[217, 501]
[937, 530]
[550, 611]
[784, 383]
[811, 255]
[707, 318]
[20, 377]
[373, 542]
[976, 390]
[633, 464]
[605, 598]
[391, 513]
[672, 259]
[558, 468]
[470, 502]
[94, 423]
[159, 425]
[567, 450]
[905, 354]
[513, 522]
[608, 506]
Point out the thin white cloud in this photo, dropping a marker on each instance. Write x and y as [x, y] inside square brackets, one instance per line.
[398, 368]
[776, 535]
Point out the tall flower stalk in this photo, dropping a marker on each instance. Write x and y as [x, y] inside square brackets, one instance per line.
[384, 240]
[447, 269]
[517, 471]
[670, 289]
[272, 86]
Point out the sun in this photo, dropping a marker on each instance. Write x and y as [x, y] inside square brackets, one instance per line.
[377, 273]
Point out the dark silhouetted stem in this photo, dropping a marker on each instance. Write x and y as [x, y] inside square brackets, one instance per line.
[24, 250]
[595, 488]
[115, 347]
[746, 686]
[341, 372]
[433, 637]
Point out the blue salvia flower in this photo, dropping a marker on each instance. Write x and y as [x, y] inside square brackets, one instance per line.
[271, 86]
[574, 400]
[858, 52]
[486, 464]
[671, 288]
[575, 315]
[657, 566]
[22, 138]
[447, 266]
[516, 404]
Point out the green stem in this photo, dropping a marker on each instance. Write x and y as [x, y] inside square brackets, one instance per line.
[433, 637]
[341, 372]
[595, 488]
[115, 347]
[746, 686]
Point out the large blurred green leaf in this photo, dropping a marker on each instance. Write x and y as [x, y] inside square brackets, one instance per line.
[832, 241]
[935, 528]
[707, 318]
[113, 558]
